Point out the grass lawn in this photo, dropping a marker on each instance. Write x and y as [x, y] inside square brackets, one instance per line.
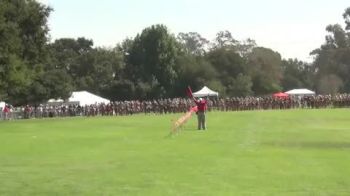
[292, 152]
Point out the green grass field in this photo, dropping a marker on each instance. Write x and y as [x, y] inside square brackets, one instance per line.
[294, 152]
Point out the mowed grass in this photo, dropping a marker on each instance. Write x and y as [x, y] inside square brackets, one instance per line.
[292, 152]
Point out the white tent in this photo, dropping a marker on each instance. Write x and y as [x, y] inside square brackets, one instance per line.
[302, 91]
[205, 91]
[2, 105]
[85, 98]
[55, 101]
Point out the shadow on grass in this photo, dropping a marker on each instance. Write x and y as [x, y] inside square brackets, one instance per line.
[316, 145]
[182, 129]
[189, 128]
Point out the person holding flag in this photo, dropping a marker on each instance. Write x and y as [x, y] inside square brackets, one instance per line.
[201, 109]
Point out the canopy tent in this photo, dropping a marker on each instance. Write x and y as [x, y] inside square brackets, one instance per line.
[204, 92]
[55, 101]
[2, 105]
[85, 98]
[302, 91]
[79, 97]
[280, 95]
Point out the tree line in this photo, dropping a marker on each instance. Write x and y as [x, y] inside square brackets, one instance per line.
[155, 63]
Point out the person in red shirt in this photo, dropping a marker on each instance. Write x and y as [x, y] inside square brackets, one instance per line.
[6, 112]
[202, 108]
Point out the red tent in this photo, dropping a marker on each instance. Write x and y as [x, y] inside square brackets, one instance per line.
[280, 95]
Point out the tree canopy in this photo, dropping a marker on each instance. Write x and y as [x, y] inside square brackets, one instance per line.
[155, 63]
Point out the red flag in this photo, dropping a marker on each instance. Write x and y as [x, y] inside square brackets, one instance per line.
[189, 92]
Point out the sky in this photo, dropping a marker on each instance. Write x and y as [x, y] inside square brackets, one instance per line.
[291, 27]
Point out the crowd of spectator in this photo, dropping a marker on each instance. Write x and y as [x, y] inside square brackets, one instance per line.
[176, 105]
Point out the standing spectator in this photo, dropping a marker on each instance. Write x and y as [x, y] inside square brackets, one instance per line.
[6, 112]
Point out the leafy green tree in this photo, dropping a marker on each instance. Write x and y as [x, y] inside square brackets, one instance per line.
[23, 38]
[329, 84]
[241, 86]
[67, 52]
[265, 70]
[52, 84]
[224, 39]
[297, 74]
[346, 16]
[332, 59]
[227, 62]
[232, 71]
[245, 47]
[193, 43]
[72, 57]
[194, 71]
[109, 65]
[92, 69]
[121, 90]
[152, 61]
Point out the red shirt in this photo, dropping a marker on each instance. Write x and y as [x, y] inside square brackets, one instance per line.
[6, 109]
[202, 105]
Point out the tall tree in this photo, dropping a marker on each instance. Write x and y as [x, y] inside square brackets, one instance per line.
[72, 57]
[232, 71]
[346, 16]
[152, 59]
[224, 39]
[332, 59]
[265, 70]
[193, 43]
[92, 69]
[108, 67]
[23, 38]
[245, 47]
[297, 74]
[195, 71]
[329, 84]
